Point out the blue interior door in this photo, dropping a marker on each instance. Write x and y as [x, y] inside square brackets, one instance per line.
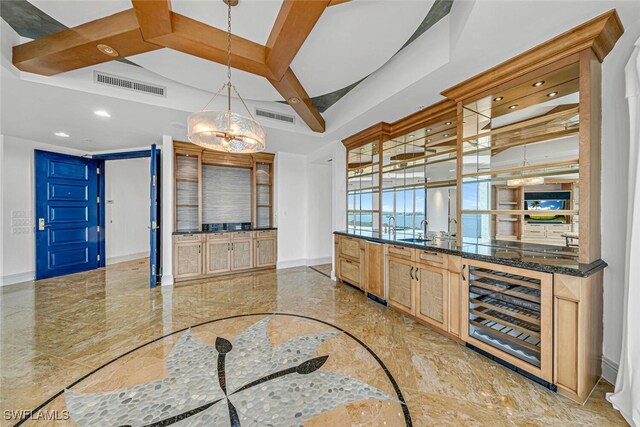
[66, 214]
[154, 217]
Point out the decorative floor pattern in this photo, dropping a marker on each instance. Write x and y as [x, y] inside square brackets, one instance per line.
[56, 332]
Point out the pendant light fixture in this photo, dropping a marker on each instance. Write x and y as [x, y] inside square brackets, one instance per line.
[224, 130]
[523, 180]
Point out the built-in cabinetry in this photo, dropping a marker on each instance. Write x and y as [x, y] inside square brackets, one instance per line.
[426, 285]
[200, 255]
[223, 212]
[512, 158]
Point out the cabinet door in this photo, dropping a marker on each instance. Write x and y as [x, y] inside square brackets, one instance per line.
[350, 247]
[241, 255]
[218, 259]
[265, 253]
[188, 262]
[374, 269]
[433, 295]
[350, 272]
[400, 282]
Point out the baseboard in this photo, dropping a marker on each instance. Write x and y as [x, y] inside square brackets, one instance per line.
[609, 370]
[12, 279]
[125, 258]
[318, 261]
[167, 280]
[301, 262]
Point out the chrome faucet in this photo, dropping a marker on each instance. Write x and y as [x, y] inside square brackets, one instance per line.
[455, 221]
[389, 226]
[426, 228]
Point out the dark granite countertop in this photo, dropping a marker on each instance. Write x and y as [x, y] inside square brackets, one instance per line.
[531, 256]
[222, 231]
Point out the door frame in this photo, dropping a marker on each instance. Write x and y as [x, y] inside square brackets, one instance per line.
[102, 158]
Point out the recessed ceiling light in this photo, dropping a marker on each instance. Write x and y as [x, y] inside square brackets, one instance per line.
[500, 98]
[446, 134]
[511, 107]
[107, 50]
[62, 134]
[552, 94]
[294, 100]
[447, 124]
[102, 113]
[452, 170]
[428, 130]
[411, 136]
[537, 84]
[428, 140]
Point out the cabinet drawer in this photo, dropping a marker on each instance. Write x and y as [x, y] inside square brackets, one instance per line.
[218, 236]
[265, 233]
[556, 234]
[530, 227]
[350, 271]
[187, 237]
[350, 247]
[241, 235]
[559, 227]
[431, 258]
[535, 233]
[401, 252]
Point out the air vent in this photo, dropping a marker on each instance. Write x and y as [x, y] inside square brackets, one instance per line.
[129, 84]
[275, 116]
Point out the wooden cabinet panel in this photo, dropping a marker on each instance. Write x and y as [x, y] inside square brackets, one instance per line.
[374, 269]
[188, 260]
[400, 284]
[265, 253]
[433, 295]
[577, 329]
[432, 258]
[401, 252]
[241, 255]
[350, 271]
[217, 258]
[455, 289]
[350, 247]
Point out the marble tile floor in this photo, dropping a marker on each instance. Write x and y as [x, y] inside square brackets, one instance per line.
[56, 331]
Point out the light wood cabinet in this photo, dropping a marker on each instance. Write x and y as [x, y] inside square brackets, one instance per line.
[350, 271]
[432, 295]
[577, 303]
[401, 284]
[374, 269]
[455, 294]
[242, 255]
[265, 252]
[188, 258]
[217, 256]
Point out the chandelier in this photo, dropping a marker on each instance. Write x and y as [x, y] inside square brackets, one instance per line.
[525, 180]
[224, 130]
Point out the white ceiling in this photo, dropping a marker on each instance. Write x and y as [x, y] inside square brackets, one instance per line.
[73, 12]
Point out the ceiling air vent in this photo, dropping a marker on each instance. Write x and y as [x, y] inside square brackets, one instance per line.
[129, 84]
[275, 116]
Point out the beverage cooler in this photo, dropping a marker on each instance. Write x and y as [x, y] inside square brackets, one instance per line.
[509, 314]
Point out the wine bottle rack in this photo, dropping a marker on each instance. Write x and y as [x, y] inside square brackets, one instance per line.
[508, 313]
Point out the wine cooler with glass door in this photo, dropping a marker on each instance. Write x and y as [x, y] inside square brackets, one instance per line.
[510, 316]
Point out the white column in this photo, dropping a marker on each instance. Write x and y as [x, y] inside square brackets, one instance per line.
[167, 211]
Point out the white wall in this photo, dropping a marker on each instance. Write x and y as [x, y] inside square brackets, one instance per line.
[319, 213]
[615, 175]
[126, 209]
[438, 208]
[18, 250]
[290, 185]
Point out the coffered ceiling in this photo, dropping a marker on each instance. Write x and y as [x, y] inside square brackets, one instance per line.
[307, 53]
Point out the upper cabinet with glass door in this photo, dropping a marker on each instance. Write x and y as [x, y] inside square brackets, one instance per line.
[521, 163]
[363, 187]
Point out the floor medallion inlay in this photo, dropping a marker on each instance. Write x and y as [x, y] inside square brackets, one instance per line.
[248, 370]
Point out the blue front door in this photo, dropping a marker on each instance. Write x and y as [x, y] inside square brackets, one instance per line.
[66, 214]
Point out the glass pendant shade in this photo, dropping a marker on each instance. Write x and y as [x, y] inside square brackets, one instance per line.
[226, 131]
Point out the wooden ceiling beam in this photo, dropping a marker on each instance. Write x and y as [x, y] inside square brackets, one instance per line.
[292, 91]
[204, 41]
[154, 17]
[293, 25]
[77, 47]
[336, 2]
